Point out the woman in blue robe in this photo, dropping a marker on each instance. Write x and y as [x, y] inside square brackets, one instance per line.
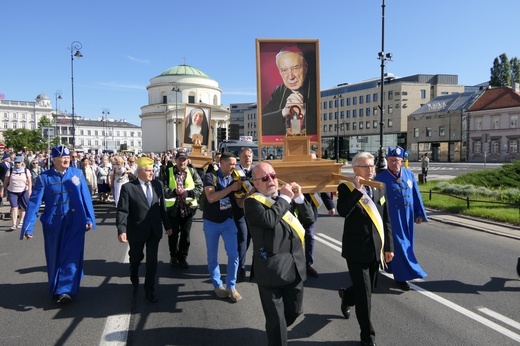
[67, 216]
[406, 208]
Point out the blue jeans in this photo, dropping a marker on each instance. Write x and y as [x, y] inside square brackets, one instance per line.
[228, 231]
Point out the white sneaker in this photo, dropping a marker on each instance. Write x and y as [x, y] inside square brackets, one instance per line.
[234, 295]
[221, 292]
[13, 227]
[19, 225]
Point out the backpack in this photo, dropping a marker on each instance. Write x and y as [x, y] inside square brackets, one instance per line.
[202, 199]
[11, 174]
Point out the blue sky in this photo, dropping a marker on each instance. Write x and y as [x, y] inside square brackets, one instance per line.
[126, 43]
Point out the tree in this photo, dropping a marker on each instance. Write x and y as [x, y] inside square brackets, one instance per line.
[505, 72]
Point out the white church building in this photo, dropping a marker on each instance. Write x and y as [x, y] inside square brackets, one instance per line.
[168, 95]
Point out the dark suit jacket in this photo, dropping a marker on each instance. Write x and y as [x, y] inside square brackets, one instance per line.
[361, 241]
[3, 170]
[135, 218]
[283, 247]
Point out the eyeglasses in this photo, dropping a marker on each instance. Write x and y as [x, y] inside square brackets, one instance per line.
[265, 179]
[367, 167]
[295, 69]
[35, 163]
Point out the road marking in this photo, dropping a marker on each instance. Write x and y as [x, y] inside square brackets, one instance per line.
[500, 317]
[116, 326]
[329, 244]
[445, 302]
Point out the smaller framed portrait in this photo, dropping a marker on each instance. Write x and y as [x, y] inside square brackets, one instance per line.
[196, 122]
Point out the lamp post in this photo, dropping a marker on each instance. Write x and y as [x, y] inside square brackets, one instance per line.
[381, 164]
[177, 90]
[74, 52]
[57, 94]
[337, 98]
[106, 113]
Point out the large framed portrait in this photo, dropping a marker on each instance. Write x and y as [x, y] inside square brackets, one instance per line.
[288, 89]
[196, 121]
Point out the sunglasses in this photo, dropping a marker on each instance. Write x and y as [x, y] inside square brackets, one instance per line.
[265, 179]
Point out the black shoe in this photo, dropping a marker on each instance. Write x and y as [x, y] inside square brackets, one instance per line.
[134, 280]
[241, 275]
[311, 271]
[345, 309]
[184, 264]
[368, 343]
[63, 299]
[150, 295]
[173, 261]
[518, 266]
[403, 285]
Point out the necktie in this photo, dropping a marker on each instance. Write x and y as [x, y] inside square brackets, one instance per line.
[149, 196]
[369, 191]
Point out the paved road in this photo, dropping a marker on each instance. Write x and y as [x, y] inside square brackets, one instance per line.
[469, 298]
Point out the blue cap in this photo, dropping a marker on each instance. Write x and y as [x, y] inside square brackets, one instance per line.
[6, 156]
[395, 151]
[60, 150]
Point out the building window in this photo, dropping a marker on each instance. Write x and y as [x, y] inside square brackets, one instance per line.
[368, 98]
[375, 110]
[348, 127]
[374, 124]
[416, 132]
[348, 101]
[330, 104]
[348, 114]
[390, 109]
[367, 125]
[342, 102]
[477, 147]
[513, 146]
[354, 100]
[354, 113]
[5, 125]
[324, 128]
[342, 115]
[390, 122]
[324, 116]
[428, 132]
[478, 124]
[423, 93]
[514, 122]
[390, 95]
[495, 148]
[374, 97]
[442, 132]
[15, 116]
[15, 126]
[165, 99]
[361, 99]
[324, 104]
[361, 112]
[330, 128]
[495, 123]
[361, 125]
[330, 116]
[367, 112]
[6, 115]
[191, 98]
[354, 126]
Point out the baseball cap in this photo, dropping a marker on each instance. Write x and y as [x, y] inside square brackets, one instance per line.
[181, 154]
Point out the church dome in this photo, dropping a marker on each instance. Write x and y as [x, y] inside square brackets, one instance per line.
[42, 97]
[184, 70]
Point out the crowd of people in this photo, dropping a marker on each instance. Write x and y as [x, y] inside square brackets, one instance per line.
[156, 194]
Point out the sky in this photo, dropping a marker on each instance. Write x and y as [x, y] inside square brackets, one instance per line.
[127, 43]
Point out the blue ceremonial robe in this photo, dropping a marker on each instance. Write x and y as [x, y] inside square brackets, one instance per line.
[68, 208]
[405, 205]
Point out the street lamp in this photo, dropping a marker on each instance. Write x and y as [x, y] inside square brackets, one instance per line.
[74, 46]
[336, 98]
[381, 163]
[177, 90]
[106, 113]
[57, 94]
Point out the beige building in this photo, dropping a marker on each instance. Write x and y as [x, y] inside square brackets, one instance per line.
[351, 112]
[494, 132]
[168, 93]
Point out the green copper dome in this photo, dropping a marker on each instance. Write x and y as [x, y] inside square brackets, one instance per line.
[184, 70]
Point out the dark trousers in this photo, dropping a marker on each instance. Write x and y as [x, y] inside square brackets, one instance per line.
[309, 243]
[136, 255]
[243, 240]
[179, 241]
[281, 305]
[363, 276]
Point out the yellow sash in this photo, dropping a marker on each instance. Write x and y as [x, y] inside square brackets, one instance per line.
[368, 204]
[288, 216]
[316, 199]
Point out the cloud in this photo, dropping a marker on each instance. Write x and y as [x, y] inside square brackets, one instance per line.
[141, 61]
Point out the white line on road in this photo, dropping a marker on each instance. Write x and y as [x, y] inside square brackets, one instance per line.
[116, 326]
[500, 317]
[445, 302]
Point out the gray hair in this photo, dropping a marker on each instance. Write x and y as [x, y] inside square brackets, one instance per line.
[362, 155]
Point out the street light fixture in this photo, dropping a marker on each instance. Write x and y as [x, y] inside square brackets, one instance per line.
[74, 46]
[381, 162]
[106, 113]
[177, 90]
[336, 98]
[57, 94]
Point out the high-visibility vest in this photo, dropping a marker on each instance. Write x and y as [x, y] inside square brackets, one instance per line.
[189, 184]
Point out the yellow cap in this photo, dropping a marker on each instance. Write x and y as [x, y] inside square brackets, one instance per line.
[144, 162]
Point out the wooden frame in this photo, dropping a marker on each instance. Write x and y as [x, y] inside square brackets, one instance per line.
[275, 85]
[203, 129]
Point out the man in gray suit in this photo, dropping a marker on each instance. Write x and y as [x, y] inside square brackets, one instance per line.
[141, 215]
[278, 257]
